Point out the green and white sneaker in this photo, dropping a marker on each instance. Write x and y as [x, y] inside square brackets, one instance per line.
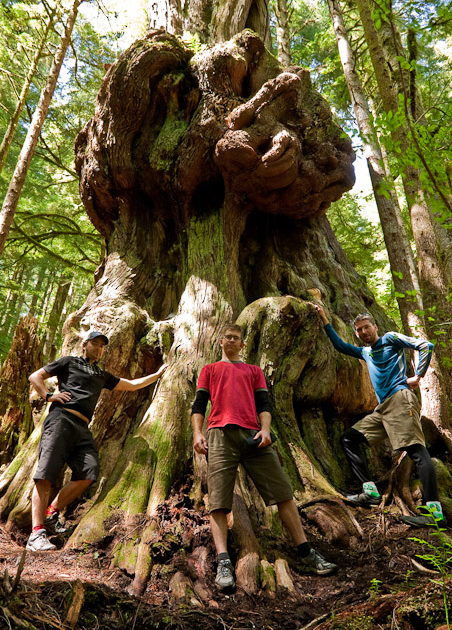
[369, 496]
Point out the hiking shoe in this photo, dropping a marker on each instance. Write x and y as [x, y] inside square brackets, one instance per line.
[315, 563]
[424, 521]
[225, 579]
[363, 499]
[54, 526]
[39, 542]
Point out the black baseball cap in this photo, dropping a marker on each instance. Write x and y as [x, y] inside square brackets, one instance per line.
[94, 334]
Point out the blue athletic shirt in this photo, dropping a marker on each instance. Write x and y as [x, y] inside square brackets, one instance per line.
[386, 359]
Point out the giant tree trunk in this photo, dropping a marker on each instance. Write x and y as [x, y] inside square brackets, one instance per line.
[209, 177]
[211, 21]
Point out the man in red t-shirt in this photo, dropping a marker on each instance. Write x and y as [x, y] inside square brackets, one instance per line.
[238, 431]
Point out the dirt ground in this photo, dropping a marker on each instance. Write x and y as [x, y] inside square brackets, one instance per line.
[377, 586]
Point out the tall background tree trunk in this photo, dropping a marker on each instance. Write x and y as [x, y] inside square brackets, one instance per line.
[55, 317]
[9, 133]
[283, 31]
[20, 173]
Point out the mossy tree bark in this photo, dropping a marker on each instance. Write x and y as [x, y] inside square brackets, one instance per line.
[209, 176]
[24, 357]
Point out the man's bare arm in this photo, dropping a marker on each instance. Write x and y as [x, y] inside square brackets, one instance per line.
[37, 380]
[265, 420]
[199, 441]
[126, 385]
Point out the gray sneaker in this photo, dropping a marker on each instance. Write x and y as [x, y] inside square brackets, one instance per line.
[363, 499]
[54, 526]
[225, 579]
[39, 542]
[315, 563]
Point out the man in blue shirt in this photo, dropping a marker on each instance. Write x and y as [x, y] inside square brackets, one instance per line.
[397, 416]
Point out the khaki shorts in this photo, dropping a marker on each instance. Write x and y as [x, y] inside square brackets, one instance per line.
[227, 449]
[396, 418]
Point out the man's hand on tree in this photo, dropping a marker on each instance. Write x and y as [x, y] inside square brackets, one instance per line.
[200, 444]
[413, 381]
[162, 369]
[321, 313]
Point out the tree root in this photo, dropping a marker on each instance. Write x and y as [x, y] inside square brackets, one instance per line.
[335, 526]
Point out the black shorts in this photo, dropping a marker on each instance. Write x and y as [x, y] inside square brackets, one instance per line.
[66, 439]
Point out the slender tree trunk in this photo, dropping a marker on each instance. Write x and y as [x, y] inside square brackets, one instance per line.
[37, 289]
[46, 296]
[11, 297]
[18, 179]
[55, 316]
[434, 396]
[17, 301]
[9, 133]
[283, 32]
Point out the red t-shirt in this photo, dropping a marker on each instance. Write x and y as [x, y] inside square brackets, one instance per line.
[231, 387]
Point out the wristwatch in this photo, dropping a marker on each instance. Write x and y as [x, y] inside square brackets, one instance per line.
[48, 396]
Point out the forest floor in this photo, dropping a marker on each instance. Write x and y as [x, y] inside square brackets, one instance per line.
[380, 583]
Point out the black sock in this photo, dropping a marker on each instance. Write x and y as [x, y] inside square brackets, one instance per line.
[303, 549]
[223, 556]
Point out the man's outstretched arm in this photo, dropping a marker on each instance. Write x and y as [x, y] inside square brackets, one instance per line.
[126, 385]
[338, 343]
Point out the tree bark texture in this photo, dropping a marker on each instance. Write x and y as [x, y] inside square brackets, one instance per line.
[20, 173]
[24, 357]
[209, 176]
[211, 21]
[283, 31]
